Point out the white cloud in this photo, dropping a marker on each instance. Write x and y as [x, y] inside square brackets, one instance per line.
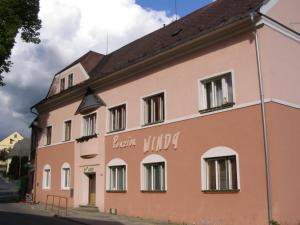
[70, 28]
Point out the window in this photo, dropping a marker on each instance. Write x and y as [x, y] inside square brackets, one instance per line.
[220, 170]
[221, 174]
[65, 176]
[154, 109]
[116, 178]
[70, 80]
[153, 173]
[68, 130]
[11, 141]
[46, 177]
[217, 92]
[89, 125]
[118, 118]
[154, 176]
[62, 84]
[48, 135]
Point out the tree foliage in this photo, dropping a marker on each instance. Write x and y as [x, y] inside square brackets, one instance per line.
[17, 16]
[3, 155]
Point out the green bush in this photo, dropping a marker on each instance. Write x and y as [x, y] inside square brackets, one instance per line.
[274, 222]
[13, 171]
[23, 183]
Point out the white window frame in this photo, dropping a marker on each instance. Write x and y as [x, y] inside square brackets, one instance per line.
[45, 181]
[153, 158]
[83, 123]
[142, 108]
[202, 89]
[115, 163]
[108, 116]
[217, 152]
[63, 167]
[64, 131]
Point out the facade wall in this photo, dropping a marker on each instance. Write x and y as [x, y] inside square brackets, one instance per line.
[180, 80]
[79, 75]
[238, 128]
[286, 12]
[180, 83]
[280, 61]
[55, 156]
[284, 129]
[184, 201]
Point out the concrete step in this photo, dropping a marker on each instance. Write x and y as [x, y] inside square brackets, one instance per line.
[86, 208]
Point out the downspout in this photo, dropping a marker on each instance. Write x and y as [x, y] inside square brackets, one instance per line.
[35, 162]
[264, 123]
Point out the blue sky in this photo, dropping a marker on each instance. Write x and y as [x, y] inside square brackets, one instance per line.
[184, 7]
[88, 24]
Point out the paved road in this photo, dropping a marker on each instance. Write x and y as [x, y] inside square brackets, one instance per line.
[13, 214]
[8, 191]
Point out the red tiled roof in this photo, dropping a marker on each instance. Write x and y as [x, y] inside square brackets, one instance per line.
[193, 25]
[88, 61]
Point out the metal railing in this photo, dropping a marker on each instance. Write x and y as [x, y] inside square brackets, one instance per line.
[59, 206]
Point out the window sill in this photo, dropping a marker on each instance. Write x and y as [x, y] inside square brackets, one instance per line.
[149, 124]
[115, 131]
[116, 191]
[46, 189]
[220, 191]
[66, 189]
[224, 106]
[149, 191]
[86, 138]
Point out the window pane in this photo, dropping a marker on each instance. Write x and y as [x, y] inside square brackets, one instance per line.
[62, 84]
[157, 177]
[211, 175]
[47, 177]
[148, 178]
[112, 178]
[90, 125]
[118, 118]
[66, 174]
[70, 80]
[222, 174]
[209, 95]
[154, 108]
[229, 87]
[48, 135]
[67, 130]
[234, 185]
[219, 95]
[121, 178]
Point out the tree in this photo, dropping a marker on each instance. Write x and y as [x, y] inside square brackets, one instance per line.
[17, 16]
[3, 155]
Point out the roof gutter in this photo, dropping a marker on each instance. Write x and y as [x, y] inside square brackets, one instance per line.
[263, 115]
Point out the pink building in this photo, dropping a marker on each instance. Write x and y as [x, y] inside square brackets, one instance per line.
[197, 122]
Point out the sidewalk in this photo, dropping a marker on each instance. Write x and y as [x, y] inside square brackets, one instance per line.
[92, 218]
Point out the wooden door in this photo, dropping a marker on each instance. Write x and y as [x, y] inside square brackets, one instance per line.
[92, 189]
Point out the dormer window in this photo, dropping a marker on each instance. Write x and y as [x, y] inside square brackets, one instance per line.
[62, 84]
[70, 80]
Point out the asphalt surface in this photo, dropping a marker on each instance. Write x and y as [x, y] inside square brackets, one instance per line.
[13, 214]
